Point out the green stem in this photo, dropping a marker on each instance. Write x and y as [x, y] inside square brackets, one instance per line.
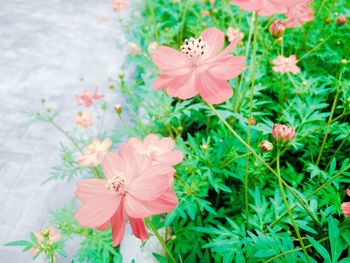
[252, 80]
[153, 19]
[52, 257]
[316, 47]
[337, 150]
[293, 250]
[239, 138]
[287, 206]
[330, 118]
[310, 195]
[161, 241]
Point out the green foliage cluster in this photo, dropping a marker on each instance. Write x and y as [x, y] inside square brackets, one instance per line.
[210, 224]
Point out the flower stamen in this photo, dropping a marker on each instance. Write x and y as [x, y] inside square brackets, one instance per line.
[117, 183]
[194, 47]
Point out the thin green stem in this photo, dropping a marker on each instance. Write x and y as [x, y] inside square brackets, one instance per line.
[293, 250]
[161, 241]
[310, 195]
[151, 6]
[330, 118]
[239, 138]
[336, 151]
[252, 80]
[287, 206]
[52, 257]
[316, 47]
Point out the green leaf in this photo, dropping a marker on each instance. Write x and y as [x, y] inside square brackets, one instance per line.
[160, 258]
[19, 243]
[320, 249]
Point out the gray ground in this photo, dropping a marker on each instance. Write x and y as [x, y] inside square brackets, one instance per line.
[46, 48]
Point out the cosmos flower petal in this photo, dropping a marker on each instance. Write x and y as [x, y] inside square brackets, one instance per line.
[139, 228]
[214, 91]
[171, 157]
[215, 40]
[170, 59]
[228, 67]
[118, 225]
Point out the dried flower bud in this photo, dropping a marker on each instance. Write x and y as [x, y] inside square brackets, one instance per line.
[277, 28]
[266, 146]
[252, 121]
[327, 20]
[341, 20]
[283, 132]
[118, 109]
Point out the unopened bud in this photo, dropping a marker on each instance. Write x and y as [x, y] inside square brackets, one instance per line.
[204, 147]
[327, 20]
[283, 133]
[180, 128]
[277, 28]
[266, 146]
[118, 109]
[173, 237]
[344, 61]
[279, 40]
[341, 20]
[251, 121]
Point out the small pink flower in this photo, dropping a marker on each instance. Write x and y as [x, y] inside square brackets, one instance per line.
[88, 98]
[160, 151]
[345, 206]
[134, 49]
[94, 153]
[233, 34]
[51, 234]
[299, 14]
[133, 187]
[152, 47]
[283, 132]
[266, 7]
[33, 251]
[201, 67]
[205, 12]
[118, 5]
[83, 120]
[286, 64]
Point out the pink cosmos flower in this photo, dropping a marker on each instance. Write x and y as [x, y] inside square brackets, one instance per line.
[160, 151]
[84, 120]
[200, 67]
[299, 14]
[266, 7]
[286, 64]
[345, 206]
[133, 187]
[33, 251]
[118, 5]
[234, 33]
[87, 98]
[94, 152]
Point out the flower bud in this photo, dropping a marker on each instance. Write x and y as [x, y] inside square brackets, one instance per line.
[277, 28]
[327, 20]
[341, 20]
[134, 49]
[118, 109]
[283, 133]
[204, 147]
[152, 47]
[344, 61]
[252, 121]
[266, 146]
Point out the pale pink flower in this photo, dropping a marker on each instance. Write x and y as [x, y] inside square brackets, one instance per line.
[205, 12]
[345, 206]
[233, 34]
[94, 152]
[88, 98]
[266, 7]
[118, 5]
[160, 151]
[286, 64]
[134, 49]
[277, 28]
[51, 234]
[33, 251]
[200, 67]
[133, 187]
[283, 132]
[83, 120]
[299, 14]
[152, 47]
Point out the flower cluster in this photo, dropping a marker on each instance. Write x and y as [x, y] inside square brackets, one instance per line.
[137, 184]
